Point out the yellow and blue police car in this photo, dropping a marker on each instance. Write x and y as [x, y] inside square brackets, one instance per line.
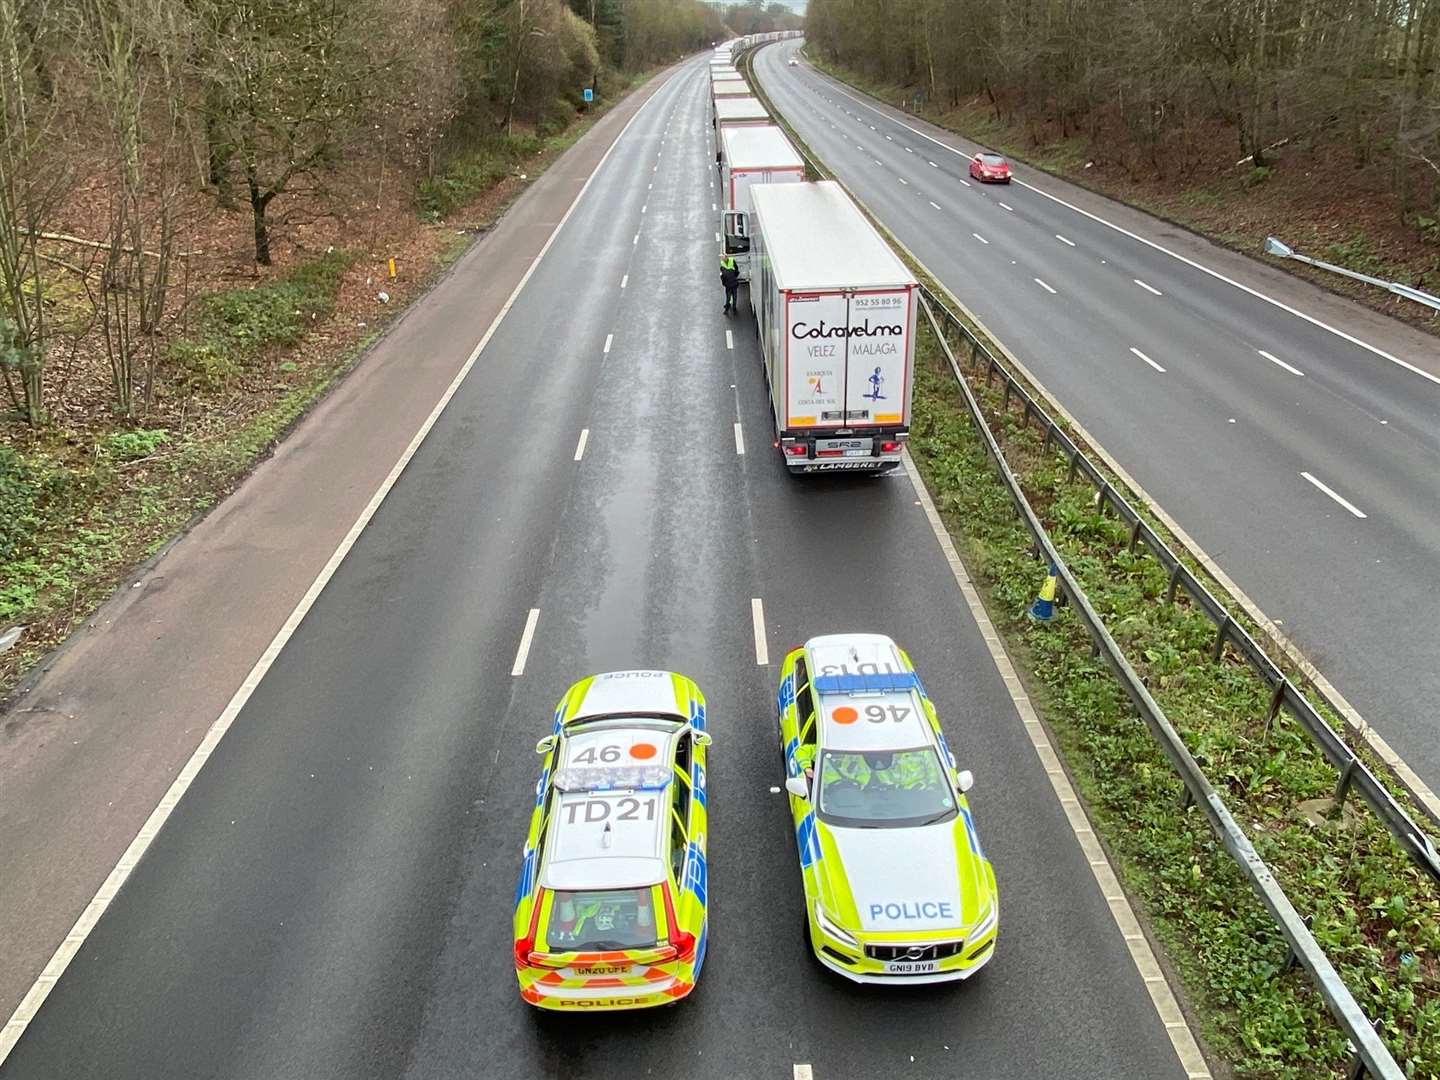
[610, 909]
[897, 885]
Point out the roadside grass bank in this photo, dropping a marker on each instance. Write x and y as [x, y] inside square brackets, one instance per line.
[1305, 197]
[85, 501]
[1373, 911]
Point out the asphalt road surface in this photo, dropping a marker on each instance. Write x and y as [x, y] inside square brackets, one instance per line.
[1304, 464]
[332, 898]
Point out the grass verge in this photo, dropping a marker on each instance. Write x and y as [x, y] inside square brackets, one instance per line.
[1376, 915]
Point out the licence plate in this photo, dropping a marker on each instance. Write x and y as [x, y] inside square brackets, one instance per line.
[603, 969]
[911, 967]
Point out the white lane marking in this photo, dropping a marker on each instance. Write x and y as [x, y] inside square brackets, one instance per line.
[802, 1072]
[1346, 503]
[1005, 206]
[1062, 240]
[655, 169]
[39, 990]
[1311, 319]
[625, 281]
[977, 236]
[1162, 998]
[635, 239]
[609, 338]
[904, 181]
[908, 150]
[934, 204]
[717, 238]
[1276, 360]
[1147, 288]
[527, 636]
[649, 187]
[729, 340]
[757, 624]
[965, 182]
[714, 207]
[1147, 360]
[933, 165]
[889, 138]
[580, 446]
[1042, 285]
[739, 439]
[877, 161]
[872, 127]
[644, 207]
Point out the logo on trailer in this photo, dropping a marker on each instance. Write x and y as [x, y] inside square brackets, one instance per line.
[877, 383]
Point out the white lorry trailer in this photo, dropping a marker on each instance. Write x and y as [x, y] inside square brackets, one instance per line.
[723, 88]
[740, 111]
[750, 156]
[835, 310]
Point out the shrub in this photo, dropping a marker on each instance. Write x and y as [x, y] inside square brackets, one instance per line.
[132, 445]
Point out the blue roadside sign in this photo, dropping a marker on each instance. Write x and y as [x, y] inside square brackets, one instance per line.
[589, 94]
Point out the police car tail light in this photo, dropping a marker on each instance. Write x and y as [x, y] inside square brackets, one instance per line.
[889, 447]
[682, 944]
[524, 954]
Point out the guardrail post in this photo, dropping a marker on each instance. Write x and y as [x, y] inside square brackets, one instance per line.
[1100, 497]
[1135, 532]
[1276, 699]
[1005, 404]
[1220, 638]
[1292, 961]
[989, 371]
[1049, 434]
[1187, 799]
[1174, 581]
[974, 352]
[1343, 787]
[1074, 464]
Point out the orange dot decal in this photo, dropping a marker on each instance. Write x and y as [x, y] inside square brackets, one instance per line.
[844, 715]
[642, 751]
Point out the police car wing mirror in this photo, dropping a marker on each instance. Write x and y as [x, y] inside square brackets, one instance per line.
[702, 738]
[797, 786]
[545, 745]
[967, 780]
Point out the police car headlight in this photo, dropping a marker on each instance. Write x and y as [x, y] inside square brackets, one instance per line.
[987, 923]
[831, 929]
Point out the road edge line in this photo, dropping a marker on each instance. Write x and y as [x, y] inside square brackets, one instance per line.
[1157, 986]
[60, 959]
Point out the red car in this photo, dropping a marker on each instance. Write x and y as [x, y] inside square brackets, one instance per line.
[987, 167]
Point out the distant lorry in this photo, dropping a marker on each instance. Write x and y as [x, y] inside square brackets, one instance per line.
[723, 88]
[740, 112]
[750, 156]
[835, 310]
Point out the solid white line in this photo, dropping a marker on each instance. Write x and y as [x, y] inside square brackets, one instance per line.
[977, 236]
[1276, 360]
[1311, 319]
[35, 997]
[1042, 285]
[729, 340]
[803, 1072]
[1147, 360]
[1005, 206]
[625, 281]
[580, 446]
[934, 204]
[1147, 288]
[757, 624]
[528, 635]
[1063, 240]
[609, 338]
[1346, 503]
[739, 439]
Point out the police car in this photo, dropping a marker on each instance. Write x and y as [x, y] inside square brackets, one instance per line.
[610, 909]
[897, 886]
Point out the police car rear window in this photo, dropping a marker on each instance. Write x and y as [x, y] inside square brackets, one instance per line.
[590, 920]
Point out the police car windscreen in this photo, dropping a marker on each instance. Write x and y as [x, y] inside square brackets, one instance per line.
[590, 920]
[884, 789]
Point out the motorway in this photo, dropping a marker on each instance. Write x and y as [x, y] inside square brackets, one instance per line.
[1305, 464]
[332, 896]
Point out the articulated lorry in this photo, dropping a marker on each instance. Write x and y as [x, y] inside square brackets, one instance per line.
[750, 156]
[835, 310]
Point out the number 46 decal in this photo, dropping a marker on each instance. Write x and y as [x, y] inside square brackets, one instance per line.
[878, 714]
